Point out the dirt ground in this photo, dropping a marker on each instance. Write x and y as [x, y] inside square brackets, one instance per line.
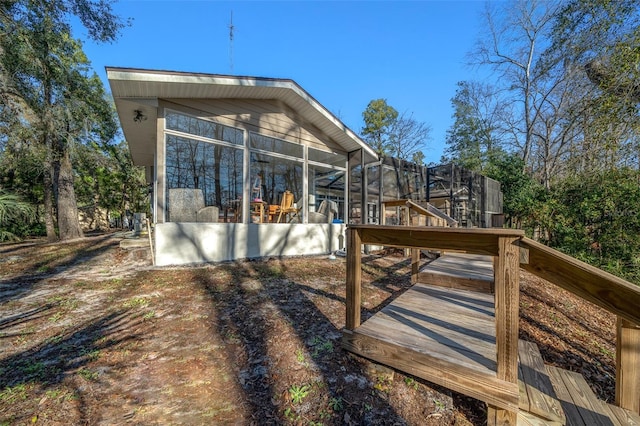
[91, 334]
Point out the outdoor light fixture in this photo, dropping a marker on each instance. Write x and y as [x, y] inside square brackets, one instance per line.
[139, 117]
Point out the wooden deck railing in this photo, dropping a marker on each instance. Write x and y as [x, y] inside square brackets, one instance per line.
[605, 290]
[511, 250]
[500, 243]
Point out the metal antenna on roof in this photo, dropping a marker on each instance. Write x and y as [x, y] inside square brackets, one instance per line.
[231, 28]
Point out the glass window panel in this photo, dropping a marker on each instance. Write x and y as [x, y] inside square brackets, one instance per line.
[266, 143]
[212, 171]
[204, 128]
[326, 184]
[332, 158]
[276, 175]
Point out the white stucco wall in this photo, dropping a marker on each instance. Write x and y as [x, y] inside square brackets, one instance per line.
[186, 243]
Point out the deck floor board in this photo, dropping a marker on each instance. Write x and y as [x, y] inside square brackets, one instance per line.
[460, 265]
[457, 325]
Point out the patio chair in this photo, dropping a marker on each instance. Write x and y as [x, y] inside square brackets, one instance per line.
[273, 211]
[325, 213]
[256, 189]
[187, 205]
[286, 205]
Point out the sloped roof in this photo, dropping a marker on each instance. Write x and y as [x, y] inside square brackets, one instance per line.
[140, 89]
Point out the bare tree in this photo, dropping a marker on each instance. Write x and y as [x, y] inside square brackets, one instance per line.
[407, 137]
[599, 39]
[517, 35]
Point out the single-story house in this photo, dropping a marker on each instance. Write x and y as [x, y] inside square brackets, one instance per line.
[240, 167]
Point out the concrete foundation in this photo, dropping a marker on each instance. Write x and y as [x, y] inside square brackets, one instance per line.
[187, 243]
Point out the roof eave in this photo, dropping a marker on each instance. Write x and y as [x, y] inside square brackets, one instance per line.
[134, 85]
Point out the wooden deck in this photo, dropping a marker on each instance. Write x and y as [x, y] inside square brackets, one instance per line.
[447, 336]
[443, 335]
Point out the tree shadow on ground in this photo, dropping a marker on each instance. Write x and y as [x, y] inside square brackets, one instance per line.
[23, 317]
[60, 357]
[51, 266]
[263, 302]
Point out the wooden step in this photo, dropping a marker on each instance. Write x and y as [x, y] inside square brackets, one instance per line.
[458, 270]
[580, 404]
[624, 417]
[528, 419]
[537, 396]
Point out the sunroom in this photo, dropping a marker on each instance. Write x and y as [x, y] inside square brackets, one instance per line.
[240, 167]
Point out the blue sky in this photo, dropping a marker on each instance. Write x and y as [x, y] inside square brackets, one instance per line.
[343, 53]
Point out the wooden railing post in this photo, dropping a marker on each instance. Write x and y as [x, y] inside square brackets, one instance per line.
[628, 365]
[415, 265]
[354, 278]
[507, 283]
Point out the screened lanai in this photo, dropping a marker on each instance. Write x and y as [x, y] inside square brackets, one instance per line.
[469, 198]
[240, 167]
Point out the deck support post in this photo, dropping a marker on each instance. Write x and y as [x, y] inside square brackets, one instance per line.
[499, 417]
[354, 278]
[507, 289]
[415, 265]
[628, 365]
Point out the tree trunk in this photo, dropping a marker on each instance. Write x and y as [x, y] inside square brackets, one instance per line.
[68, 223]
[48, 202]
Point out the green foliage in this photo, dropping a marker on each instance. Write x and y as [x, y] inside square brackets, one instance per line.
[136, 302]
[107, 180]
[597, 219]
[88, 374]
[601, 39]
[378, 119]
[568, 105]
[320, 346]
[471, 139]
[521, 193]
[13, 212]
[14, 393]
[290, 415]
[300, 356]
[336, 403]
[411, 383]
[418, 158]
[50, 96]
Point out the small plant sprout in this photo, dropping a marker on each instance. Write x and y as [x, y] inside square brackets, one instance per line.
[53, 393]
[298, 393]
[93, 355]
[136, 302]
[411, 383]
[88, 374]
[336, 403]
[320, 345]
[56, 317]
[290, 415]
